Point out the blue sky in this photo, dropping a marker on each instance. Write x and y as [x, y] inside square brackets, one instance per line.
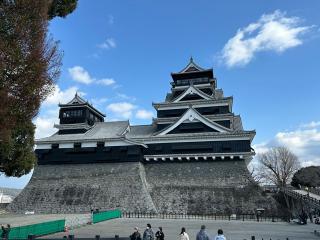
[119, 56]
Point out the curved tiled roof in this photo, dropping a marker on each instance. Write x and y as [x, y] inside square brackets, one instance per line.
[100, 130]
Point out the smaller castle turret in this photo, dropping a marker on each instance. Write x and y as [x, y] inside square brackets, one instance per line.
[77, 116]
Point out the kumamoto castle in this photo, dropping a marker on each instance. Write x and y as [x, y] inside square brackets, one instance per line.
[192, 159]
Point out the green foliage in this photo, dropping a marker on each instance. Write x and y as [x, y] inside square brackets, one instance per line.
[61, 8]
[308, 176]
[16, 154]
[29, 67]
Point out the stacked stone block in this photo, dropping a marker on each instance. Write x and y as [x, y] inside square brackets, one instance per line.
[178, 188]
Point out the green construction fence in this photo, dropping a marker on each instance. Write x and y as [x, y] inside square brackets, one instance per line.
[38, 229]
[105, 215]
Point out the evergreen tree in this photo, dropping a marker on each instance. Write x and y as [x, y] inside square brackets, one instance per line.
[307, 176]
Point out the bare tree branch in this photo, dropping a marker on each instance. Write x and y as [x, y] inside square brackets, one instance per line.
[277, 166]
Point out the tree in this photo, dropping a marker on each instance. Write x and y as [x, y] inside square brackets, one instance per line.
[61, 8]
[307, 176]
[277, 166]
[29, 66]
[17, 154]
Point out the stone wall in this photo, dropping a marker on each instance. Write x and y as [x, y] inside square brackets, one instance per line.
[204, 188]
[81, 187]
[166, 187]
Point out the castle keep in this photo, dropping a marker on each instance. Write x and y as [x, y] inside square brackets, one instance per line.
[192, 159]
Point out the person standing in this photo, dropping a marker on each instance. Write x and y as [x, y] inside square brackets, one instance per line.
[202, 234]
[220, 235]
[183, 235]
[8, 231]
[135, 235]
[160, 234]
[3, 232]
[148, 233]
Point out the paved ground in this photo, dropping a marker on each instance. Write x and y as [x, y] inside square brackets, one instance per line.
[234, 230]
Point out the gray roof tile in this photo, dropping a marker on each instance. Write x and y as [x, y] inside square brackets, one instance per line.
[100, 130]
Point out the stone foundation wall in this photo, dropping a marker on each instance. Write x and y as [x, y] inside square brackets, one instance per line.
[204, 188]
[188, 187]
[81, 187]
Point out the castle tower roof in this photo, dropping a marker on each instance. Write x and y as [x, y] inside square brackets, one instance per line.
[192, 70]
[78, 101]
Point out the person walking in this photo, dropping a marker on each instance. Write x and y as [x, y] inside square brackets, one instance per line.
[160, 234]
[202, 234]
[220, 235]
[135, 235]
[183, 235]
[148, 233]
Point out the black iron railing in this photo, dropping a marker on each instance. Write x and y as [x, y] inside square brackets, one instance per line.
[228, 217]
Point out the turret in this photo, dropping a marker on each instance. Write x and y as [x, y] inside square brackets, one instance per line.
[78, 116]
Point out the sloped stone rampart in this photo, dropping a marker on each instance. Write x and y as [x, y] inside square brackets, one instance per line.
[166, 187]
[82, 187]
[204, 188]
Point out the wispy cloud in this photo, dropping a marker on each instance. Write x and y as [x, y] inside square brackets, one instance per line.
[110, 19]
[106, 81]
[126, 97]
[108, 44]
[304, 142]
[79, 74]
[144, 114]
[122, 110]
[99, 101]
[272, 32]
[312, 124]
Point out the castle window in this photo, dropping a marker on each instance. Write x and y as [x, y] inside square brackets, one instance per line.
[72, 113]
[77, 145]
[54, 145]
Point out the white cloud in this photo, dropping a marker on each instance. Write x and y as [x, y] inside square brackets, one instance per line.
[106, 81]
[99, 101]
[305, 143]
[312, 124]
[79, 74]
[126, 97]
[144, 114]
[272, 32]
[122, 109]
[108, 44]
[59, 96]
[44, 126]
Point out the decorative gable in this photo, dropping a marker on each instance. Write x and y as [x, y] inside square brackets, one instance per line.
[191, 67]
[190, 91]
[76, 100]
[191, 115]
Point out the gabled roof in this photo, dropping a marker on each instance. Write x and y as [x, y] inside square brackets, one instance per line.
[76, 100]
[79, 101]
[190, 115]
[192, 90]
[192, 70]
[192, 67]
